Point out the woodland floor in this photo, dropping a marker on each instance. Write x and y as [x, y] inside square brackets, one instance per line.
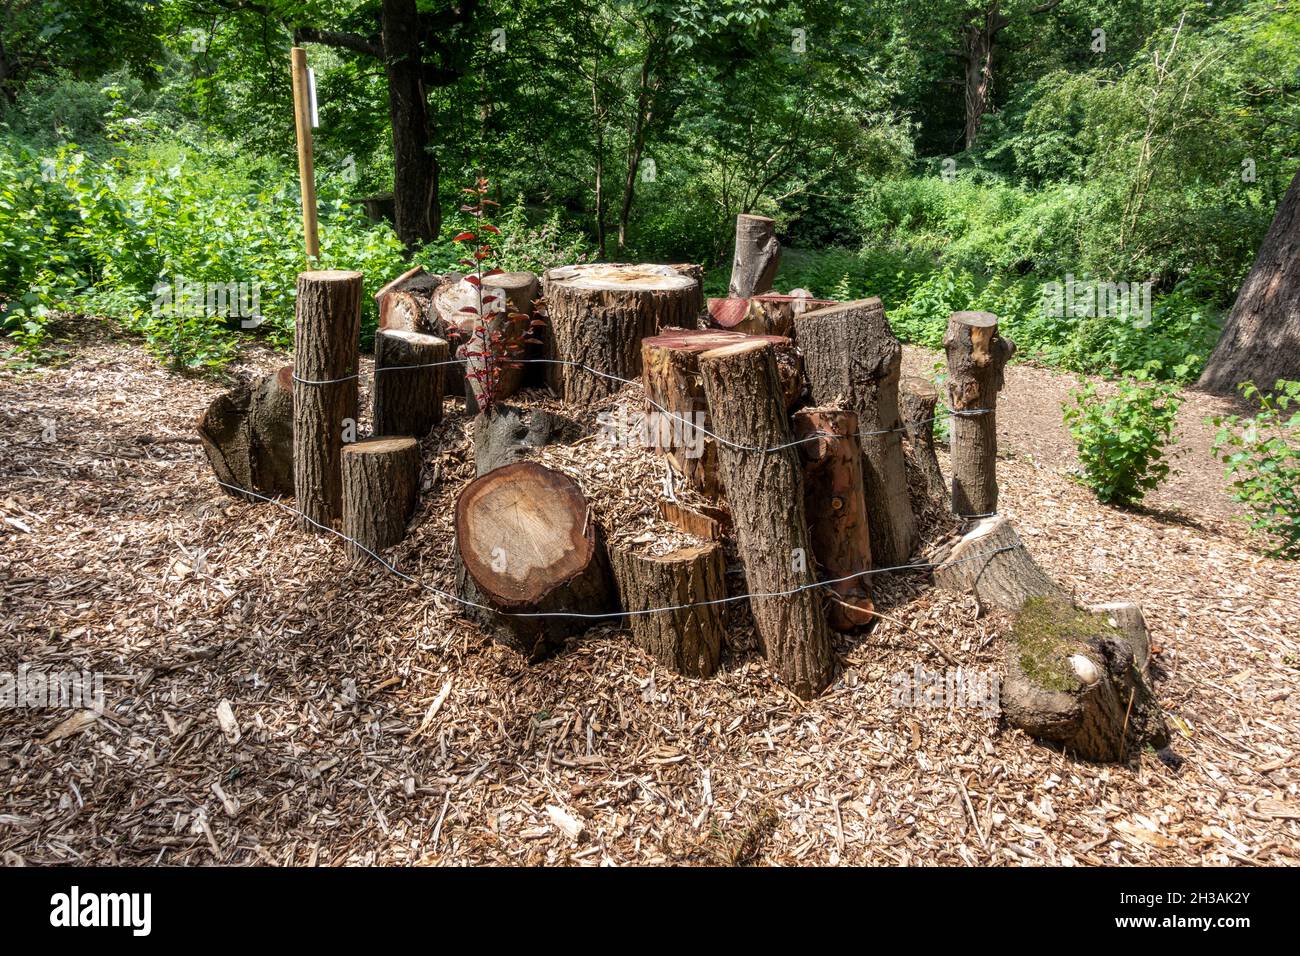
[375, 726]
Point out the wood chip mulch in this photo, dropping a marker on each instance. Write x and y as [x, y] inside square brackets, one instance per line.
[268, 702]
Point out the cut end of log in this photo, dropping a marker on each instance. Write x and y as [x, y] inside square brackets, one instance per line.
[979, 320]
[523, 530]
[872, 304]
[331, 275]
[919, 386]
[612, 277]
[379, 446]
[737, 348]
[415, 338]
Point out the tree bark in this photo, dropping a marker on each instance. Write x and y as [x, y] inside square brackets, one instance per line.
[506, 309]
[417, 215]
[1261, 339]
[678, 409]
[991, 562]
[247, 434]
[527, 544]
[837, 511]
[765, 492]
[758, 254]
[917, 399]
[852, 356]
[976, 358]
[506, 435]
[326, 330]
[381, 486]
[598, 316]
[694, 271]
[688, 639]
[408, 382]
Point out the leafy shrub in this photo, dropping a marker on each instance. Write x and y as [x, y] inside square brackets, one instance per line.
[1121, 439]
[1263, 458]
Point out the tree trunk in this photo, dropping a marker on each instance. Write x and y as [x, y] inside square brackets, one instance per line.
[977, 50]
[765, 492]
[1261, 340]
[675, 402]
[381, 486]
[917, 399]
[598, 316]
[976, 358]
[506, 435]
[758, 253]
[689, 639]
[837, 511]
[694, 271]
[527, 544]
[247, 434]
[494, 366]
[408, 382]
[852, 356]
[417, 215]
[326, 330]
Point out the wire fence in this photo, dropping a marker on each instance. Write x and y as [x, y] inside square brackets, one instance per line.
[611, 615]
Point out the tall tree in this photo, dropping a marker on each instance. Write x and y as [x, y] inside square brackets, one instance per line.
[1261, 340]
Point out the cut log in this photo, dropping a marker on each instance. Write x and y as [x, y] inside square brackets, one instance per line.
[976, 357]
[1073, 677]
[413, 313]
[381, 486]
[527, 544]
[765, 491]
[687, 639]
[852, 358]
[247, 434]
[598, 316]
[506, 435]
[408, 382]
[837, 511]
[758, 254]
[675, 401]
[917, 400]
[991, 562]
[1075, 680]
[767, 314]
[1128, 619]
[326, 331]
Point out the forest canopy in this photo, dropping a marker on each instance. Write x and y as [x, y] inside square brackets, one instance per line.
[944, 156]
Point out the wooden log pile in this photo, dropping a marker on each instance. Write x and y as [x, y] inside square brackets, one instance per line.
[783, 434]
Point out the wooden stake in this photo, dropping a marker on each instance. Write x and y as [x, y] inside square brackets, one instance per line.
[306, 167]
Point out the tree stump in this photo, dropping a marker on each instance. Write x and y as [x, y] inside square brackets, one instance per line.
[693, 271]
[408, 382]
[247, 434]
[688, 639]
[1074, 677]
[381, 486]
[976, 357]
[675, 401]
[598, 316]
[837, 511]
[765, 491]
[407, 302]
[527, 544]
[917, 400]
[758, 254]
[852, 357]
[326, 331]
